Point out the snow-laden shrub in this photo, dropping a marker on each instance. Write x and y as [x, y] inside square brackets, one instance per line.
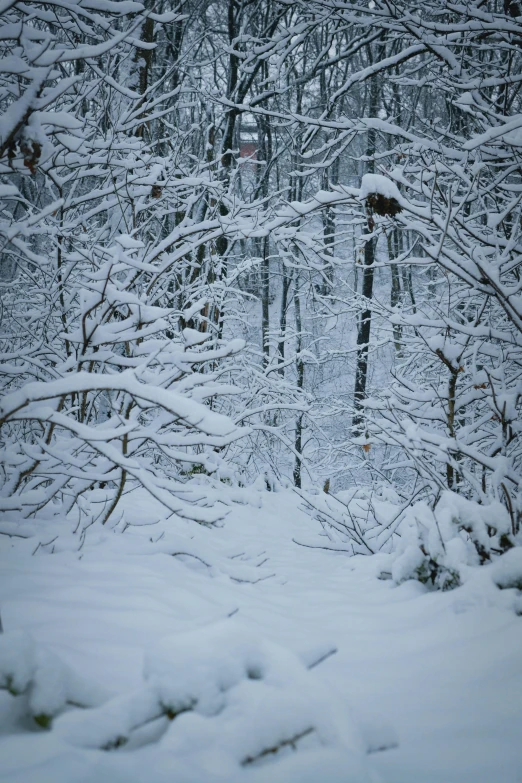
[362, 520]
[435, 545]
[17, 664]
[32, 672]
[507, 570]
[222, 688]
[432, 545]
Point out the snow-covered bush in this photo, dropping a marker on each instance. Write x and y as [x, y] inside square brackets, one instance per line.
[507, 570]
[362, 520]
[224, 686]
[219, 687]
[435, 545]
[29, 671]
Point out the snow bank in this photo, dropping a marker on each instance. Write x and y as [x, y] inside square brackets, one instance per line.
[208, 672]
[215, 694]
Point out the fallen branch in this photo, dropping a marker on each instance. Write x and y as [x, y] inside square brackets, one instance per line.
[323, 657]
[291, 742]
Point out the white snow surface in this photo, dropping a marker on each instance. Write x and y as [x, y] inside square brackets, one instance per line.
[233, 654]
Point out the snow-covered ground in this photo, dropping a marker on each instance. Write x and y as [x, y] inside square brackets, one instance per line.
[228, 627]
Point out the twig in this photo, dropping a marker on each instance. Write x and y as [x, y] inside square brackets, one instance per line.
[510, 509]
[318, 546]
[13, 535]
[251, 581]
[189, 554]
[283, 744]
[322, 658]
[42, 545]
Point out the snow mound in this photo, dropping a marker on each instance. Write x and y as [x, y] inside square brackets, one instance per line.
[222, 691]
[198, 668]
[507, 570]
[28, 670]
[17, 662]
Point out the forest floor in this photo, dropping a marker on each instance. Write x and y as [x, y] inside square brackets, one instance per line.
[415, 687]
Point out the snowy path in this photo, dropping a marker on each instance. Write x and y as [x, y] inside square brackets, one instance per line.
[441, 671]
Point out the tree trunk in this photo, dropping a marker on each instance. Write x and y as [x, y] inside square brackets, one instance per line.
[363, 336]
[298, 444]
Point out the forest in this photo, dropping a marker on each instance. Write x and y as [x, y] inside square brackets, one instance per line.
[260, 293]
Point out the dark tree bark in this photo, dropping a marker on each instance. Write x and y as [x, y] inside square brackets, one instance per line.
[298, 445]
[363, 335]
